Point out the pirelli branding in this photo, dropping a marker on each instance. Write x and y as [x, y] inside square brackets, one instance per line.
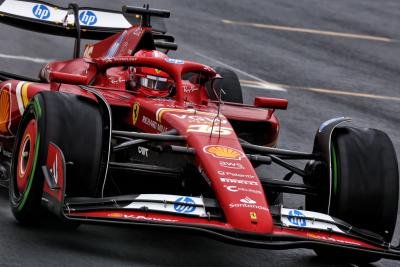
[237, 181]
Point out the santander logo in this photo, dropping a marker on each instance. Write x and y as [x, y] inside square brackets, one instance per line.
[247, 200]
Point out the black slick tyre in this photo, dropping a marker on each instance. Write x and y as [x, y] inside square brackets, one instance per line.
[365, 183]
[74, 124]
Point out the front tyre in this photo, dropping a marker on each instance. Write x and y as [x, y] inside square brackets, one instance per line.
[364, 191]
[74, 124]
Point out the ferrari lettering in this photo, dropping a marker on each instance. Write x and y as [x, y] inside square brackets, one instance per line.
[88, 18]
[233, 174]
[234, 188]
[236, 181]
[41, 12]
[209, 129]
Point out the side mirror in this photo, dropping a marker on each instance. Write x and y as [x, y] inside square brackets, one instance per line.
[61, 77]
[273, 103]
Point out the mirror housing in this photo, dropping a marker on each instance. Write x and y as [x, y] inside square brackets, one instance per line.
[272, 103]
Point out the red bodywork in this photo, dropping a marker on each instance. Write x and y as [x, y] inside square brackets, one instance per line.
[189, 111]
[205, 124]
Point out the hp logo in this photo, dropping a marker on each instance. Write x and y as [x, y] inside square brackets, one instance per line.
[88, 18]
[41, 11]
[182, 208]
[297, 218]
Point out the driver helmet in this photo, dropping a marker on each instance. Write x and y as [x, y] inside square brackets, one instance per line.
[151, 81]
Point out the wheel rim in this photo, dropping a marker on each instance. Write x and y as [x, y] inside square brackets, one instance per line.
[26, 156]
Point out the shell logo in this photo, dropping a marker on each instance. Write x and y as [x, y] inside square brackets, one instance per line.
[224, 152]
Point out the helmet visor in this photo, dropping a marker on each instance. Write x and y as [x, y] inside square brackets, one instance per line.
[155, 83]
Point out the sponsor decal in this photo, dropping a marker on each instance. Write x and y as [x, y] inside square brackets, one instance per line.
[137, 31]
[231, 165]
[143, 151]
[88, 18]
[308, 219]
[135, 113]
[297, 218]
[248, 200]
[253, 215]
[139, 217]
[41, 12]
[190, 89]
[209, 129]
[234, 174]
[244, 205]
[114, 80]
[88, 51]
[182, 208]
[160, 112]
[169, 203]
[175, 61]
[237, 181]
[115, 46]
[234, 188]
[331, 239]
[153, 124]
[200, 119]
[54, 169]
[224, 152]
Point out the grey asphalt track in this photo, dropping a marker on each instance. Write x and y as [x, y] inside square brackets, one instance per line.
[364, 71]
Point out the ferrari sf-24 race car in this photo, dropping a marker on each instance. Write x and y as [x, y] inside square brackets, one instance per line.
[128, 135]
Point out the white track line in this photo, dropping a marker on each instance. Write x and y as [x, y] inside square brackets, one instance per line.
[312, 31]
[31, 59]
[264, 84]
[261, 86]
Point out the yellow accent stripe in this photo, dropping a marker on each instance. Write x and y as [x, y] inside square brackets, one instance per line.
[311, 31]
[325, 91]
[25, 99]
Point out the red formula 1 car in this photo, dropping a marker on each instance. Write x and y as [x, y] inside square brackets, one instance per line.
[127, 135]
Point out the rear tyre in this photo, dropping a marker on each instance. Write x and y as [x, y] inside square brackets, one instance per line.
[230, 84]
[365, 183]
[74, 124]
